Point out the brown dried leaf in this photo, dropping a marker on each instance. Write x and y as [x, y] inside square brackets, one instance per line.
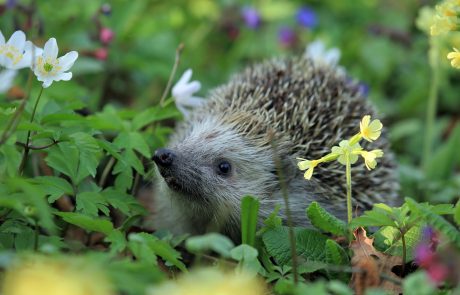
[375, 265]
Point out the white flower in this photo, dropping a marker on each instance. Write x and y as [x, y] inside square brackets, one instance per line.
[183, 92]
[6, 79]
[49, 68]
[317, 51]
[16, 53]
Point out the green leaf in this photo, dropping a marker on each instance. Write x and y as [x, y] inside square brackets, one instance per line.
[457, 213]
[77, 159]
[210, 242]
[310, 244]
[325, 221]
[249, 212]
[87, 222]
[54, 186]
[389, 240]
[438, 222]
[124, 202]
[91, 202]
[247, 258]
[154, 114]
[418, 283]
[336, 255]
[378, 216]
[10, 159]
[160, 248]
[133, 141]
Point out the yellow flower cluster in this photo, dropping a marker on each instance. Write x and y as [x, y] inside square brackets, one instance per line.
[40, 275]
[211, 281]
[455, 58]
[350, 150]
[446, 18]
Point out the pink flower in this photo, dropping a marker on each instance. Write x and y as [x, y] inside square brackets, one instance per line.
[437, 273]
[106, 35]
[101, 53]
[424, 256]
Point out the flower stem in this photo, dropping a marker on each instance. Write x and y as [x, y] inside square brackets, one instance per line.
[432, 103]
[27, 148]
[403, 239]
[348, 176]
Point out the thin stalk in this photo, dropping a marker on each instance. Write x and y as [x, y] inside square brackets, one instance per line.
[173, 73]
[27, 148]
[404, 249]
[432, 103]
[106, 171]
[348, 176]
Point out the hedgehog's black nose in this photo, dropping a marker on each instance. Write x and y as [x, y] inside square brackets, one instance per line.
[164, 157]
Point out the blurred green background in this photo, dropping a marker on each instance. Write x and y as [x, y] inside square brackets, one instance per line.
[127, 50]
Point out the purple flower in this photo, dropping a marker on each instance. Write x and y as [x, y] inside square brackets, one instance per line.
[306, 17]
[286, 36]
[251, 17]
[11, 4]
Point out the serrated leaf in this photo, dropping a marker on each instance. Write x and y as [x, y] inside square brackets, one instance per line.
[54, 186]
[160, 248]
[336, 255]
[325, 221]
[124, 202]
[210, 242]
[438, 222]
[91, 202]
[310, 244]
[389, 240]
[249, 213]
[154, 114]
[133, 141]
[87, 222]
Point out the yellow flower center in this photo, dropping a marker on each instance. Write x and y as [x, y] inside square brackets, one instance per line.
[12, 53]
[48, 67]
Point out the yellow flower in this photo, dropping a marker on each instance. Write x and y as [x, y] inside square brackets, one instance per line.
[447, 9]
[211, 281]
[369, 158]
[455, 58]
[345, 150]
[40, 275]
[442, 25]
[370, 131]
[309, 166]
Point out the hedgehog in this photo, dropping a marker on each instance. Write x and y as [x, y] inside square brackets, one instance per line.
[250, 132]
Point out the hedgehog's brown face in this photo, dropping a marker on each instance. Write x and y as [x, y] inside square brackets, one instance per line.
[211, 163]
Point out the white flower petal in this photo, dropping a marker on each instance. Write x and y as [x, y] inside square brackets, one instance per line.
[51, 49]
[185, 77]
[193, 101]
[47, 83]
[34, 50]
[63, 76]
[318, 53]
[25, 62]
[332, 56]
[6, 79]
[183, 110]
[2, 39]
[18, 40]
[67, 61]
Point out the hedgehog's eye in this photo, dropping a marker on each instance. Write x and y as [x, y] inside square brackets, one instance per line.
[224, 168]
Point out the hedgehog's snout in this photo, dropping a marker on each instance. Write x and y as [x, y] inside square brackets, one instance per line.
[164, 157]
